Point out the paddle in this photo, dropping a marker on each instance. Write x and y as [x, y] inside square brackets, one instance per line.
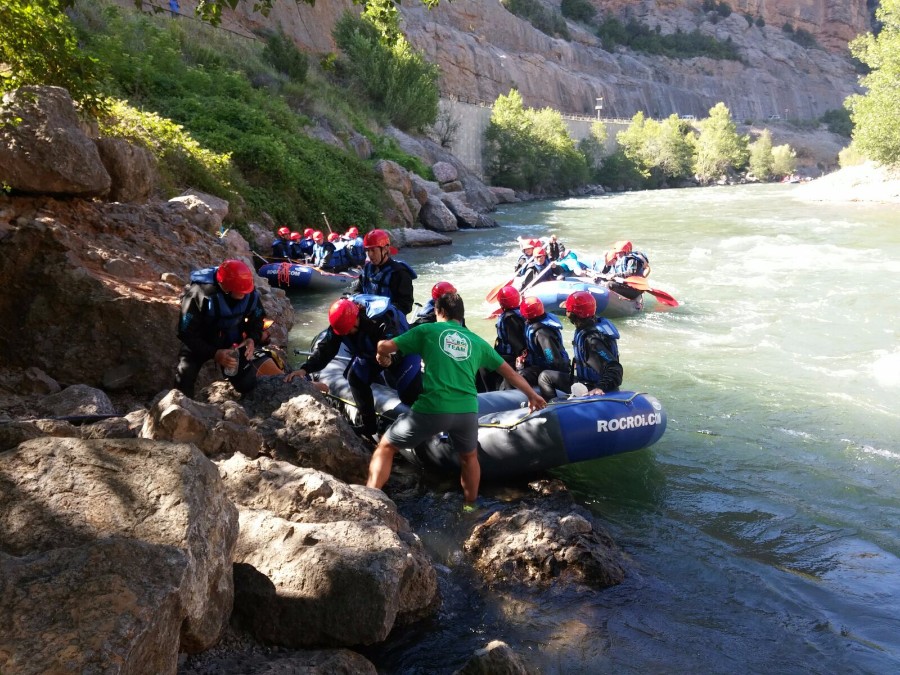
[640, 284]
[492, 294]
[537, 279]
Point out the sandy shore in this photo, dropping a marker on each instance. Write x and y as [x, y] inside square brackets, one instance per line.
[865, 183]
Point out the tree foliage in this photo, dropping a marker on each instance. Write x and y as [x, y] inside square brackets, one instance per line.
[530, 149]
[875, 118]
[761, 156]
[38, 46]
[658, 150]
[384, 67]
[719, 147]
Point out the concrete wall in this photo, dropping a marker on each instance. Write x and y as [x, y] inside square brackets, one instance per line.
[473, 120]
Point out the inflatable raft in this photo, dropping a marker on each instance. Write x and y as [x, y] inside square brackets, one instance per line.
[296, 276]
[513, 441]
[610, 304]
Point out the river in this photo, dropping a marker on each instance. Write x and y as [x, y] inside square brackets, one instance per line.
[764, 528]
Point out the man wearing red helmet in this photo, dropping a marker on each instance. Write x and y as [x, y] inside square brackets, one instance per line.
[546, 362]
[449, 402]
[327, 255]
[426, 314]
[218, 308]
[510, 342]
[281, 247]
[360, 326]
[596, 360]
[383, 275]
[355, 247]
[538, 269]
[527, 246]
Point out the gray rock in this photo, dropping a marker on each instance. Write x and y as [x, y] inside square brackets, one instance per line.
[131, 168]
[497, 658]
[444, 172]
[46, 151]
[79, 399]
[435, 215]
[416, 238]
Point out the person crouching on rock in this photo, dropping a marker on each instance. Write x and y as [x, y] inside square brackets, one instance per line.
[218, 308]
[360, 326]
[449, 402]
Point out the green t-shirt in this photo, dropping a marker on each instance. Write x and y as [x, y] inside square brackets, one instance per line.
[452, 355]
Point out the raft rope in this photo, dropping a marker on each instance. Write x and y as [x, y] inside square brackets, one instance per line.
[284, 274]
[567, 402]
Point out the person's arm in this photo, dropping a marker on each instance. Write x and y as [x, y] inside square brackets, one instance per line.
[535, 401]
[611, 371]
[550, 348]
[383, 352]
[325, 351]
[192, 328]
[402, 290]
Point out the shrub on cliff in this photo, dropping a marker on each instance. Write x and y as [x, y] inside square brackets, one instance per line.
[386, 70]
[38, 46]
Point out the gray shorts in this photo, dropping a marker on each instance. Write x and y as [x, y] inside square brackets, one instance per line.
[414, 428]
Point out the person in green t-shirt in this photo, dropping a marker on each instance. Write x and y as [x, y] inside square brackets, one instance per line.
[449, 401]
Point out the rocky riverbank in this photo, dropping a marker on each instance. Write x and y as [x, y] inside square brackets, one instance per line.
[145, 532]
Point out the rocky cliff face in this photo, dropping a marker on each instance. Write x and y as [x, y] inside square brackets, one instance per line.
[484, 50]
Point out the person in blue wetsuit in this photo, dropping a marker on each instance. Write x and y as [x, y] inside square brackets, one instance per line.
[427, 314]
[219, 308]
[281, 247]
[360, 325]
[546, 363]
[595, 363]
[383, 275]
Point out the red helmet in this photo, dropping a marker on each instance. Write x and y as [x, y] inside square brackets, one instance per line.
[376, 238]
[342, 316]
[539, 252]
[283, 232]
[581, 304]
[535, 242]
[318, 237]
[509, 297]
[442, 288]
[532, 308]
[526, 244]
[353, 232]
[333, 236]
[295, 236]
[235, 277]
[308, 233]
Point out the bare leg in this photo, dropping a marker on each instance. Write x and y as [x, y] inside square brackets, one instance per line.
[470, 475]
[380, 465]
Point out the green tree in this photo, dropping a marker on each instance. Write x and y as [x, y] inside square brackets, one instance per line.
[761, 160]
[876, 121]
[531, 149]
[38, 46]
[719, 147]
[673, 148]
[784, 160]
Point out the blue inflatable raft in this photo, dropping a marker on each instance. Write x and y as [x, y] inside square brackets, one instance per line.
[610, 304]
[513, 441]
[296, 276]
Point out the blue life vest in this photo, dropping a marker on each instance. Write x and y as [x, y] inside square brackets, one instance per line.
[340, 259]
[503, 346]
[306, 247]
[379, 282]
[632, 264]
[380, 310]
[609, 336]
[357, 251]
[281, 248]
[426, 314]
[228, 316]
[536, 356]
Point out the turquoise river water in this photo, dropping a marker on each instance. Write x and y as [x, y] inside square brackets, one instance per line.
[763, 530]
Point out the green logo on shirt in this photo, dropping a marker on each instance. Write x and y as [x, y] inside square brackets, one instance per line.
[455, 345]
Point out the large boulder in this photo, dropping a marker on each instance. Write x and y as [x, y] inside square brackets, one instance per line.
[437, 216]
[545, 540]
[111, 552]
[297, 425]
[320, 562]
[131, 168]
[115, 270]
[43, 148]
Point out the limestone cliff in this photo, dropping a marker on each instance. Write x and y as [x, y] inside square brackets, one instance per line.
[484, 50]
